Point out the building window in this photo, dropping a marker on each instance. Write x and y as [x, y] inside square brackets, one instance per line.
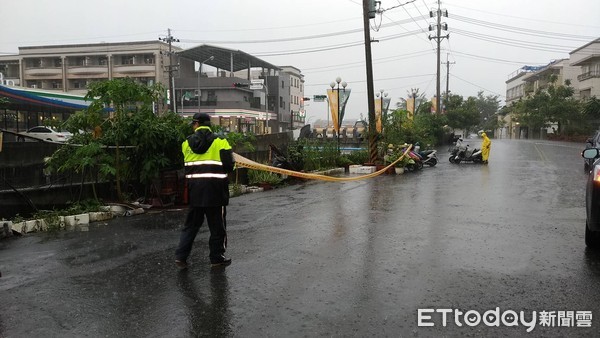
[34, 84]
[282, 84]
[58, 62]
[79, 61]
[33, 63]
[127, 59]
[56, 84]
[78, 84]
[103, 60]
[149, 59]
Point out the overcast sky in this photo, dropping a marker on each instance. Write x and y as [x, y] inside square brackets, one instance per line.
[489, 40]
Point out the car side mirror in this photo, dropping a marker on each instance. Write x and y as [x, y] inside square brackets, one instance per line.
[590, 141]
[590, 153]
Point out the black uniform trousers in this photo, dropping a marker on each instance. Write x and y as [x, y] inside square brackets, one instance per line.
[217, 242]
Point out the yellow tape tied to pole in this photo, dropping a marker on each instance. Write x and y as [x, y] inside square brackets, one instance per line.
[246, 163]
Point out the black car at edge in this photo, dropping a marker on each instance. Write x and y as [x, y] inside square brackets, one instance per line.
[592, 198]
[592, 142]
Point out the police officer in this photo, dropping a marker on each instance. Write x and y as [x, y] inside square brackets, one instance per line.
[208, 159]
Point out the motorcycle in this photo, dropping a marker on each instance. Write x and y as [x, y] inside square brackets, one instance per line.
[465, 154]
[415, 163]
[429, 157]
[279, 160]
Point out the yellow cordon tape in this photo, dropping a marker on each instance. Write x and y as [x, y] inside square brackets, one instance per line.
[241, 161]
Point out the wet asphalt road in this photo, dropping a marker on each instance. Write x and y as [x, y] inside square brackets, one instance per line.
[329, 259]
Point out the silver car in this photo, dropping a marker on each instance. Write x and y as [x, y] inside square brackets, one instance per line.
[45, 133]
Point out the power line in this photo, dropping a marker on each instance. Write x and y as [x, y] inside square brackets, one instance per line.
[478, 86]
[524, 31]
[270, 28]
[384, 79]
[515, 43]
[529, 19]
[485, 58]
[289, 39]
[361, 63]
[340, 46]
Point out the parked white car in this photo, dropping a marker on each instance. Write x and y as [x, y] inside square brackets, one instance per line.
[46, 133]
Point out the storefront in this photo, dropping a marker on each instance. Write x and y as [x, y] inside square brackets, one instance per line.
[27, 108]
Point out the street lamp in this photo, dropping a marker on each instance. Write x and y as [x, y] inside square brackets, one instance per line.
[200, 72]
[338, 80]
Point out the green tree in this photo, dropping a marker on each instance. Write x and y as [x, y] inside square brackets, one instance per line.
[120, 137]
[424, 128]
[462, 114]
[555, 103]
[591, 108]
[488, 107]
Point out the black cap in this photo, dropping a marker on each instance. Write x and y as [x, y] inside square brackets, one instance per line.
[202, 118]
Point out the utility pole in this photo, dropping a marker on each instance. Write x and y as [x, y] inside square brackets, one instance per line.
[448, 63]
[439, 26]
[170, 68]
[368, 13]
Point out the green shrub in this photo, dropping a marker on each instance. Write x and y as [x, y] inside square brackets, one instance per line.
[359, 156]
[343, 161]
[51, 217]
[261, 176]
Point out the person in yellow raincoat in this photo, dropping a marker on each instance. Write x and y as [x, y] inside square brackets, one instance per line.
[485, 147]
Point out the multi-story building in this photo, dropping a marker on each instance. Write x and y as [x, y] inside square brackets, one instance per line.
[581, 70]
[296, 96]
[515, 85]
[559, 71]
[587, 59]
[70, 68]
[266, 98]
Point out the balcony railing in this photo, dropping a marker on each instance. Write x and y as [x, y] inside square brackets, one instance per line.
[135, 68]
[221, 104]
[588, 75]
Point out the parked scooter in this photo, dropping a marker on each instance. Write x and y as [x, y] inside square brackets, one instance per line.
[465, 154]
[429, 157]
[415, 163]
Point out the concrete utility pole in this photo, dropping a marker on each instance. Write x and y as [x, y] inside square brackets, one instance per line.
[170, 68]
[368, 12]
[438, 39]
[448, 63]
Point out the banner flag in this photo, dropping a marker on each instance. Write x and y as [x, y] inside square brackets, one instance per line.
[333, 103]
[386, 106]
[344, 96]
[410, 107]
[378, 124]
[333, 106]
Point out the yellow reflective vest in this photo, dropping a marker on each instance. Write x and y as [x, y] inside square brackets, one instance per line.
[208, 159]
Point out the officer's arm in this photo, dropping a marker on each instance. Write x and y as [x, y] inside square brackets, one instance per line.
[227, 160]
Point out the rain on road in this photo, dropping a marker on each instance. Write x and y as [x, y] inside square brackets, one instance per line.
[331, 259]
